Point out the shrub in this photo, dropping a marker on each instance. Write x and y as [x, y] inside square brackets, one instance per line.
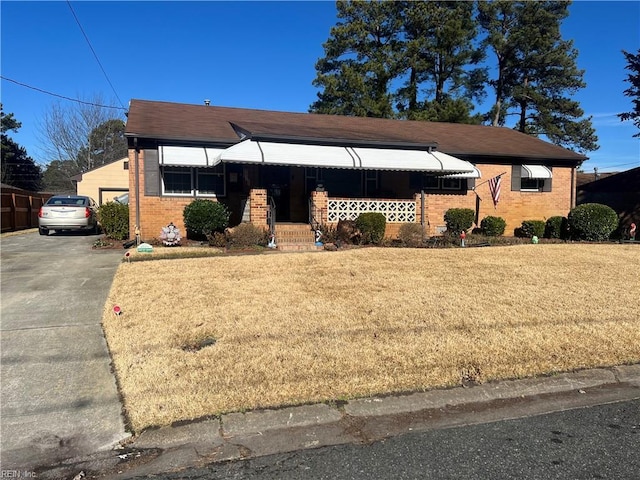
[348, 232]
[217, 239]
[114, 219]
[372, 225]
[411, 234]
[592, 221]
[203, 217]
[529, 228]
[247, 235]
[556, 227]
[459, 219]
[329, 233]
[493, 226]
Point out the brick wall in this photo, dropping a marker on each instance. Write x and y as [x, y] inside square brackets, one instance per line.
[514, 207]
[155, 212]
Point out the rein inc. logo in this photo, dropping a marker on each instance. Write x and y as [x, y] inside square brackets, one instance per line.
[17, 474]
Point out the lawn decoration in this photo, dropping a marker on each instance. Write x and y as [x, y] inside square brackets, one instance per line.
[463, 235]
[117, 311]
[632, 232]
[170, 235]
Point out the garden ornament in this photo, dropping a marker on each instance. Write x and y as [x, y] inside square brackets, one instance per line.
[463, 235]
[170, 235]
[534, 239]
[632, 232]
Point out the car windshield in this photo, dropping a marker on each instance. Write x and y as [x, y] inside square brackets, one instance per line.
[70, 201]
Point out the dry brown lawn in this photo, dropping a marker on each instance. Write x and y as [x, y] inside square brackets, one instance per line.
[311, 327]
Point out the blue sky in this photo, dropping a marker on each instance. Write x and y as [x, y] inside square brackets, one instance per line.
[253, 55]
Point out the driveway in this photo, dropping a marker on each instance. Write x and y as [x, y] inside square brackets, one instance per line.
[59, 397]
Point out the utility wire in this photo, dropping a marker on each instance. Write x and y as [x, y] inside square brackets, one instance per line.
[60, 96]
[94, 53]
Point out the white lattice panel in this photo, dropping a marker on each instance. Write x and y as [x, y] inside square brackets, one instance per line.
[395, 211]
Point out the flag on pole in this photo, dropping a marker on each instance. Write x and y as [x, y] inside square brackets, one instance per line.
[494, 188]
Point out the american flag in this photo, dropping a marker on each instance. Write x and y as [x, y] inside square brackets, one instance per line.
[494, 188]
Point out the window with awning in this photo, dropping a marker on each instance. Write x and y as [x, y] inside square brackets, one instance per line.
[531, 178]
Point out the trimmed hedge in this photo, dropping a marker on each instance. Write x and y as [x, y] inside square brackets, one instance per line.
[203, 217]
[114, 220]
[372, 226]
[556, 227]
[529, 228]
[592, 222]
[493, 226]
[459, 219]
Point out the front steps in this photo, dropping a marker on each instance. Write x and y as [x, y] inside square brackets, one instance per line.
[295, 237]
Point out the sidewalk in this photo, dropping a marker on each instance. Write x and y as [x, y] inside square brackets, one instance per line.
[244, 435]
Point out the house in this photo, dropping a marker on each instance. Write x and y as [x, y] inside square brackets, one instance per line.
[309, 169]
[620, 192]
[105, 182]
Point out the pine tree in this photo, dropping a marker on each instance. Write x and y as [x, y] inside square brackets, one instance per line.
[536, 71]
[16, 167]
[633, 92]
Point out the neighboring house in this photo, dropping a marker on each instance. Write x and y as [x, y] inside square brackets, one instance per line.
[620, 191]
[314, 169]
[105, 182]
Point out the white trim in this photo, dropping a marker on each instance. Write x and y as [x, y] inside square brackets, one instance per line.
[474, 174]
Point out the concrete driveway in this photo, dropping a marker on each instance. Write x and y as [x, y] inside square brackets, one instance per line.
[59, 398]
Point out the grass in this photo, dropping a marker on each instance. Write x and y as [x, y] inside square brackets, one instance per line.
[204, 336]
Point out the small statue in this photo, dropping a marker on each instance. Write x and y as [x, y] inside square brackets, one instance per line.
[170, 235]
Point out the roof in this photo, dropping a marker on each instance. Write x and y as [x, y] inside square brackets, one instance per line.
[198, 124]
[627, 181]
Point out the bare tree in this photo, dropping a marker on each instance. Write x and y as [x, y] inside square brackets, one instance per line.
[65, 129]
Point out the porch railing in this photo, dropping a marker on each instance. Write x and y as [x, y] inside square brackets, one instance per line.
[398, 211]
[271, 216]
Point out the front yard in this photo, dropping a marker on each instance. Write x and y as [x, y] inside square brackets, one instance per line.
[202, 336]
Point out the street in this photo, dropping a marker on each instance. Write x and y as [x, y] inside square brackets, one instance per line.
[594, 442]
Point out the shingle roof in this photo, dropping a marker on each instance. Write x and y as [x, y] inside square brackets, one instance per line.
[213, 124]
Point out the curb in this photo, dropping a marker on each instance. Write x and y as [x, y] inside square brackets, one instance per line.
[238, 436]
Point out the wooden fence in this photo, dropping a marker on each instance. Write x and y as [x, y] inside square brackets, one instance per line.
[20, 209]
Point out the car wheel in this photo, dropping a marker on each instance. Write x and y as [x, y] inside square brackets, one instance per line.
[43, 231]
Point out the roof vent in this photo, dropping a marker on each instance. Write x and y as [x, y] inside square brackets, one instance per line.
[207, 102]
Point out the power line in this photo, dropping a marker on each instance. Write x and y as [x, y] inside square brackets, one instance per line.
[94, 52]
[58, 95]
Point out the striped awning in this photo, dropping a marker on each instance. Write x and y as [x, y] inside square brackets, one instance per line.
[474, 174]
[328, 156]
[189, 156]
[535, 171]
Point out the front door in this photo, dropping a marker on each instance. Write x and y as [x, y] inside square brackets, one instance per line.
[277, 181]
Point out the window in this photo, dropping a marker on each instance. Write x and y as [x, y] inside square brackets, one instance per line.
[176, 181]
[451, 183]
[194, 181]
[432, 182]
[125, 165]
[371, 180]
[531, 178]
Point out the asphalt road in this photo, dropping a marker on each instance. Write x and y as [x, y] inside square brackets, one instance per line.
[59, 397]
[587, 443]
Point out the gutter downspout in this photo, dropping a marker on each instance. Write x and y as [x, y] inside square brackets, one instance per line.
[574, 193]
[137, 184]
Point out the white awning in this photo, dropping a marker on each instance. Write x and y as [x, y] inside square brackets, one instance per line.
[189, 156]
[535, 171]
[272, 153]
[475, 174]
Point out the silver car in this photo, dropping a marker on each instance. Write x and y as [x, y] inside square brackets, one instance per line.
[73, 212]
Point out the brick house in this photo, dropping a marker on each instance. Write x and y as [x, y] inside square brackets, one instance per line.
[307, 169]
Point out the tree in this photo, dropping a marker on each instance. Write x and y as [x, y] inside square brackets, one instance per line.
[360, 61]
[633, 92]
[106, 144]
[73, 133]
[58, 175]
[536, 71]
[439, 53]
[16, 167]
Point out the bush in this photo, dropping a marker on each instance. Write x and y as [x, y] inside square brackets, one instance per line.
[372, 226]
[114, 219]
[592, 222]
[411, 234]
[329, 233]
[493, 226]
[529, 228]
[556, 227]
[459, 219]
[247, 235]
[203, 217]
